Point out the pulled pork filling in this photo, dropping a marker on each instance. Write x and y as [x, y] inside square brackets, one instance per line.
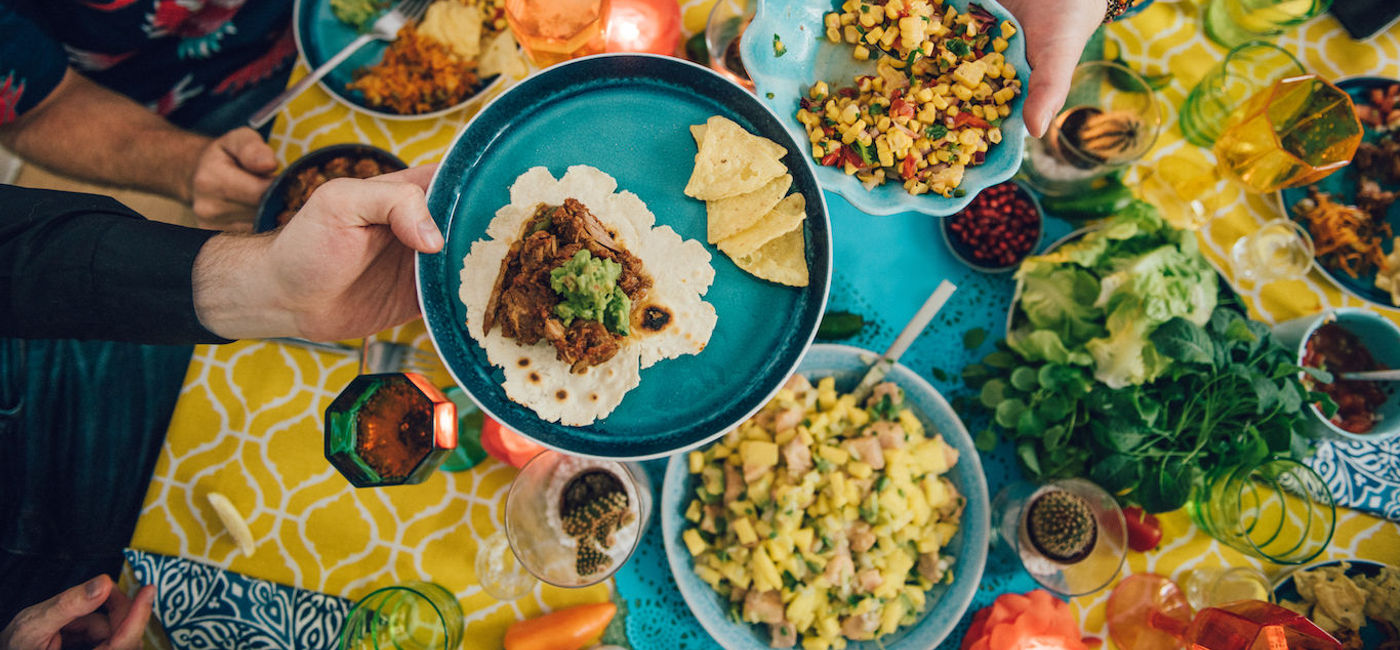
[523, 302]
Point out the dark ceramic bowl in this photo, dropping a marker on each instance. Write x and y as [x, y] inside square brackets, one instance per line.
[963, 253]
[274, 200]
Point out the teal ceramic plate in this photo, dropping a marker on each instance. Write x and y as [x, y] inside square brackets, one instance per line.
[320, 35]
[627, 115]
[1342, 186]
[1371, 633]
[945, 603]
[781, 80]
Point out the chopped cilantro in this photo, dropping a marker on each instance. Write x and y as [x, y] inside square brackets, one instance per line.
[770, 95]
[877, 109]
[866, 151]
[885, 409]
[823, 465]
[936, 131]
[959, 193]
[778, 48]
[959, 47]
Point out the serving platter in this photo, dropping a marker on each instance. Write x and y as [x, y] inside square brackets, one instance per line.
[320, 35]
[629, 116]
[1286, 589]
[946, 602]
[1342, 186]
[782, 76]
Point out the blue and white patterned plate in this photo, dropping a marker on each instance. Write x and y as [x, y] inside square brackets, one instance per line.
[629, 116]
[782, 79]
[946, 603]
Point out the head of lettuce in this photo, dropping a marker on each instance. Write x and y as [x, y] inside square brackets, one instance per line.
[1094, 301]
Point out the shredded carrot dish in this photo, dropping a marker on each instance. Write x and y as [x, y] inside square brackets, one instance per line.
[417, 75]
[1345, 237]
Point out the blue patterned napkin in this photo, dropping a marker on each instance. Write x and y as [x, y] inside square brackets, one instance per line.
[203, 606]
[1362, 475]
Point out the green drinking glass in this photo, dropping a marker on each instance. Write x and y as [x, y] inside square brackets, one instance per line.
[1234, 22]
[411, 616]
[1246, 70]
[1278, 510]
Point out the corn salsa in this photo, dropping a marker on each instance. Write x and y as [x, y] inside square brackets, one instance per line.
[823, 518]
[941, 88]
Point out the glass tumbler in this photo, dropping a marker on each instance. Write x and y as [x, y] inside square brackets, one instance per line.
[571, 521]
[1087, 564]
[1278, 510]
[554, 31]
[1110, 119]
[1246, 70]
[1280, 250]
[410, 616]
[1232, 22]
[723, 29]
[1295, 132]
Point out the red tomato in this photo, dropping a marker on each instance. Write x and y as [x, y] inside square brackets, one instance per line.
[1144, 531]
[832, 158]
[505, 445]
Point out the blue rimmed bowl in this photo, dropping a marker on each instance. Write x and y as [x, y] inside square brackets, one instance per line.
[629, 116]
[781, 80]
[946, 603]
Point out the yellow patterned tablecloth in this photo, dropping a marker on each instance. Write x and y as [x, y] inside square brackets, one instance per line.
[248, 423]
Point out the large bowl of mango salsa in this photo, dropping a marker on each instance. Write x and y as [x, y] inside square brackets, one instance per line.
[905, 105]
[827, 521]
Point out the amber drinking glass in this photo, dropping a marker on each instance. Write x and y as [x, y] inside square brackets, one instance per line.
[723, 29]
[1292, 133]
[554, 31]
[1149, 612]
[1246, 70]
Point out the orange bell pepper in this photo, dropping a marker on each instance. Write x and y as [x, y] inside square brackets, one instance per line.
[1020, 622]
[566, 629]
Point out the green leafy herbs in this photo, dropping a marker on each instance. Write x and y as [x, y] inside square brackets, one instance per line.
[973, 338]
[779, 48]
[959, 47]
[1229, 396]
[839, 325]
[936, 131]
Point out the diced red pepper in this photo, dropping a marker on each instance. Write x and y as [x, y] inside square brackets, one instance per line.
[901, 108]
[831, 158]
[906, 168]
[968, 119]
[850, 155]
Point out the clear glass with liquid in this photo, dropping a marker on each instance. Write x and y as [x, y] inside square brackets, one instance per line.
[1280, 250]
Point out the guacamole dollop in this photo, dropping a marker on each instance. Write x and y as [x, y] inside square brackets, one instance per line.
[589, 288]
[357, 13]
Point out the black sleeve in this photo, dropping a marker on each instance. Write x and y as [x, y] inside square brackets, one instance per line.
[83, 266]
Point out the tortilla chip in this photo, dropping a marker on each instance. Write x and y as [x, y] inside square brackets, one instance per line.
[732, 161]
[697, 131]
[785, 216]
[502, 56]
[783, 260]
[728, 217]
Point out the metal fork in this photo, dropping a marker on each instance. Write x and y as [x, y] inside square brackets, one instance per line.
[385, 28]
[376, 356]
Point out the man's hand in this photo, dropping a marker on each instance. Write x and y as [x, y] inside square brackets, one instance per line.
[1056, 32]
[73, 618]
[341, 268]
[229, 180]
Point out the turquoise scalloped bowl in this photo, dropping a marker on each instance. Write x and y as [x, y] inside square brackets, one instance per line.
[780, 81]
[946, 603]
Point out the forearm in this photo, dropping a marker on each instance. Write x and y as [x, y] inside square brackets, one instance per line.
[83, 266]
[86, 131]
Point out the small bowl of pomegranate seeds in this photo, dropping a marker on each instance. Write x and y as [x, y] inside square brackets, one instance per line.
[998, 229]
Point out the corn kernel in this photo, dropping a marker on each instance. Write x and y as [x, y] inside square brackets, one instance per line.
[883, 124]
[1008, 71]
[962, 92]
[817, 151]
[867, 20]
[1004, 95]
[848, 19]
[861, 53]
[1004, 110]
[873, 36]
[815, 136]
[831, 20]
[1007, 29]
[850, 113]
[994, 134]
[999, 45]
[819, 90]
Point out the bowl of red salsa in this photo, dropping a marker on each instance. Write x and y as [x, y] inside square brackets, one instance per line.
[1349, 340]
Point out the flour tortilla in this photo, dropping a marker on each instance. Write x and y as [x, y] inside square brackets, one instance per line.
[680, 271]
